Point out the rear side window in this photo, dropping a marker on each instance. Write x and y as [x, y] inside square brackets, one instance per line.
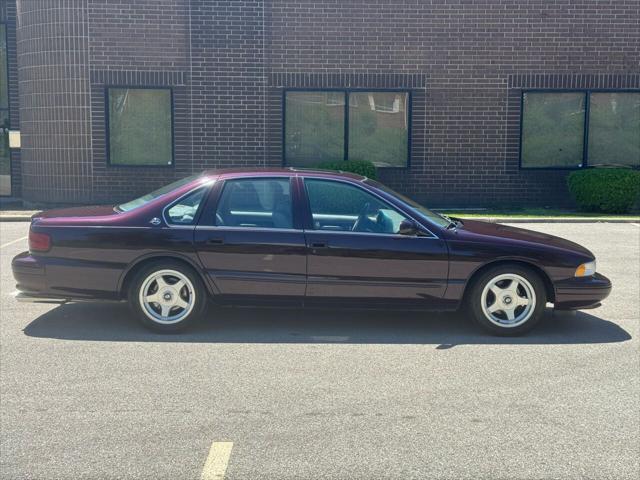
[139, 202]
[257, 203]
[184, 211]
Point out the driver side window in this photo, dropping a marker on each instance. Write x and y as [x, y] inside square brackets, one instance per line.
[337, 206]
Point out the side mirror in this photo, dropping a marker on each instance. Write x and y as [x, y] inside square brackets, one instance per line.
[408, 227]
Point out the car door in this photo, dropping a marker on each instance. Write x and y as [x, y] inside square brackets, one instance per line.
[356, 252]
[250, 241]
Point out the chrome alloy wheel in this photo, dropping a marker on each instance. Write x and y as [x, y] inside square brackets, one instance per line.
[508, 300]
[167, 296]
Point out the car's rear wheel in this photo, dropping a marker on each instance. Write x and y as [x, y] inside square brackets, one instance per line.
[507, 300]
[167, 296]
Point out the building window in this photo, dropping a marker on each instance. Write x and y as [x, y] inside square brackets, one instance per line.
[614, 128]
[579, 128]
[378, 128]
[4, 83]
[5, 157]
[552, 129]
[342, 125]
[140, 126]
[314, 127]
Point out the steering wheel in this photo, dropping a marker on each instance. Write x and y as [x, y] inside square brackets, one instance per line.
[363, 223]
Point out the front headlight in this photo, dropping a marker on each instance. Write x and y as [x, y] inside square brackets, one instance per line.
[586, 269]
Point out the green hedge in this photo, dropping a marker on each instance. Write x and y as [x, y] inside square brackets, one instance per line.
[366, 169]
[609, 190]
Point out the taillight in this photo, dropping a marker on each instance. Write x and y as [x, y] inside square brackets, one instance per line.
[39, 242]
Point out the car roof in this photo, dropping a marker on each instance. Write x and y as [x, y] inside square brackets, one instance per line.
[290, 171]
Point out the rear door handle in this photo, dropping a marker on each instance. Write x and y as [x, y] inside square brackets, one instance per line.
[215, 241]
[319, 245]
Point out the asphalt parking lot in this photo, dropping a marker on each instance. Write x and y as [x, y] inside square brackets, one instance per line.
[87, 393]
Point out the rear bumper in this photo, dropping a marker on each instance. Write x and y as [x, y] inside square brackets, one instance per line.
[29, 273]
[581, 293]
[41, 280]
[31, 280]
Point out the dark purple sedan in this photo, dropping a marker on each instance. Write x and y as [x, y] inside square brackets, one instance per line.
[284, 236]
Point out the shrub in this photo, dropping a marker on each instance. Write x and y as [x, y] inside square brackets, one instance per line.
[366, 169]
[609, 190]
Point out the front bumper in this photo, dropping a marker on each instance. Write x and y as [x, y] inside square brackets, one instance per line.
[581, 292]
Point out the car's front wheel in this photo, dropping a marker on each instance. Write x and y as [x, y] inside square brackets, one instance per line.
[507, 300]
[167, 296]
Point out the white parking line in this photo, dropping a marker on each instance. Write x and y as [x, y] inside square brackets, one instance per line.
[636, 224]
[12, 242]
[216, 465]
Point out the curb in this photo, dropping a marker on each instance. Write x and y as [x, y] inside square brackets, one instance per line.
[553, 220]
[15, 218]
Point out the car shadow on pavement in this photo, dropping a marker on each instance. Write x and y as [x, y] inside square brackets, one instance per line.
[115, 323]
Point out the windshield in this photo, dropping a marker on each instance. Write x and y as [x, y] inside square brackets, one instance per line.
[138, 202]
[418, 209]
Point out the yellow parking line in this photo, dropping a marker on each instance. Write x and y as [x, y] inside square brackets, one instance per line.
[12, 242]
[216, 464]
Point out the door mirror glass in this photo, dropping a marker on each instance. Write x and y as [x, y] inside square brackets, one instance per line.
[408, 227]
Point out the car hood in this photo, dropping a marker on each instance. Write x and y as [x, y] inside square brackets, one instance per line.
[475, 230]
[77, 212]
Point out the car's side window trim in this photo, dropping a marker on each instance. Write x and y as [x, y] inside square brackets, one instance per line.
[196, 218]
[248, 229]
[309, 220]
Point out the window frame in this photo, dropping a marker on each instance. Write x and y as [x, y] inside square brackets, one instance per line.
[5, 23]
[585, 128]
[107, 121]
[347, 92]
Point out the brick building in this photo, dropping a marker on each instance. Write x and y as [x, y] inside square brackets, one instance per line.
[458, 102]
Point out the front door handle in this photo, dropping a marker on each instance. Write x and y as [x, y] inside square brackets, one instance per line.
[319, 245]
[215, 241]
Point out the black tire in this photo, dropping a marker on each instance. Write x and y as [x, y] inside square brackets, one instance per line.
[196, 289]
[530, 318]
